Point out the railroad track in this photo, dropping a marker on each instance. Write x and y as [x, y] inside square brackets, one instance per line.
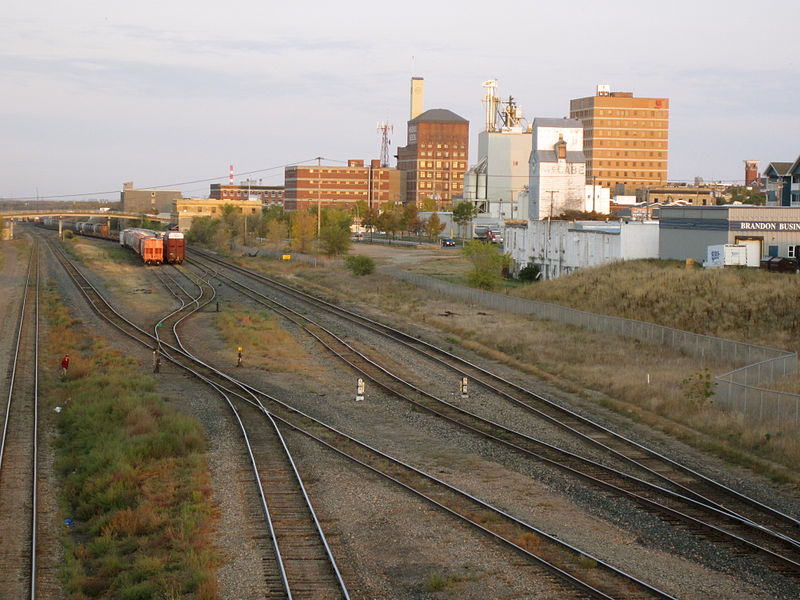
[303, 566]
[693, 511]
[302, 554]
[19, 510]
[577, 573]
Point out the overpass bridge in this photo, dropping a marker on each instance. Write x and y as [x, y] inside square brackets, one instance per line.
[61, 214]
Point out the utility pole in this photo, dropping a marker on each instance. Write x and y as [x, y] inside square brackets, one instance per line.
[319, 195]
[594, 194]
[547, 236]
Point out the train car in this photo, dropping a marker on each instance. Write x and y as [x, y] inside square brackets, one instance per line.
[174, 247]
[100, 229]
[145, 243]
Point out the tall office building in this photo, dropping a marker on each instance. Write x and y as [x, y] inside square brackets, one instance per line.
[625, 139]
[435, 156]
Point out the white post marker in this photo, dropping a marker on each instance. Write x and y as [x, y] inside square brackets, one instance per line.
[360, 389]
[462, 387]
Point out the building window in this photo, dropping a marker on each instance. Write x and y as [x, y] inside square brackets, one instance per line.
[791, 252]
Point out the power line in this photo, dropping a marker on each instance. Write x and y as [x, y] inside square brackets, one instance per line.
[168, 185]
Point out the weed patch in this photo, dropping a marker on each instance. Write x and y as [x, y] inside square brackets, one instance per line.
[266, 344]
[133, 477]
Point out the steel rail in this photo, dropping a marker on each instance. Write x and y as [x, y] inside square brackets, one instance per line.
[35, 470]
[195, 300]
[142, 337]
[641, 586]
[554, 539]
[414, 342]
[15, 360]
[549, 454]
[287, 453]
[25, 316]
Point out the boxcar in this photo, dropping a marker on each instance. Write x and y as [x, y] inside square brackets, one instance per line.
[174, 247]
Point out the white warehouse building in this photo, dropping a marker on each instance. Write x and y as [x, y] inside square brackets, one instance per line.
[561, 247]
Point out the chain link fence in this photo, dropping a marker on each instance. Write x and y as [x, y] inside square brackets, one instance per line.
[309, 259]
[741, 390]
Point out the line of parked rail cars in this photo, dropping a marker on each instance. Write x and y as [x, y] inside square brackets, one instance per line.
[82, 227]
[155, 247]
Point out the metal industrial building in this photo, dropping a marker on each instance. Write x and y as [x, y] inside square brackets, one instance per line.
[687, 231]
[500, 176]
[561, 247]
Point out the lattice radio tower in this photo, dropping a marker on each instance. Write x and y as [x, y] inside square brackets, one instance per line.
[385, 129]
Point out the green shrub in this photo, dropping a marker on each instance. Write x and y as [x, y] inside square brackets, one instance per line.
[359, 264]
[699, 388]
[529, 273]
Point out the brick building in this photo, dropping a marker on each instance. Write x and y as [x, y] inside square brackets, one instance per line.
[185, 210]
[693, 195]
[625, 139]
[435, 157]
[248, 190]
[341, 187]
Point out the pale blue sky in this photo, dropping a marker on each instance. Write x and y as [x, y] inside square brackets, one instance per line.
[96, 93]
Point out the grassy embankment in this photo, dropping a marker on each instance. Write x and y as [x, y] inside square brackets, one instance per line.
[644, 382]
[133, 476]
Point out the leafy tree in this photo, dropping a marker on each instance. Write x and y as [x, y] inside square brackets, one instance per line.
[336, 217]
[277, 232]
[487, 264]
[274, 213]
[429, 204]
[738, 193]
[410, 220]
[201, 230]
[388, 221]
[359, 264]
[360, 208]
[232, 223]
[433, 226]
[463, 213]
[334, 240]
[369, 219]
[304, 227]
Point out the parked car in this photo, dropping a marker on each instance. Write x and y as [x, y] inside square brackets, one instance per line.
[448, 242]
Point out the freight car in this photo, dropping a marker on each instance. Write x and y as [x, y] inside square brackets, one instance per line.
[82, 227]
[145, 243]
[174, 247]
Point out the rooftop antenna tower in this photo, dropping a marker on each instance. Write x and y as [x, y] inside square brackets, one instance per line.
[385, 129]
